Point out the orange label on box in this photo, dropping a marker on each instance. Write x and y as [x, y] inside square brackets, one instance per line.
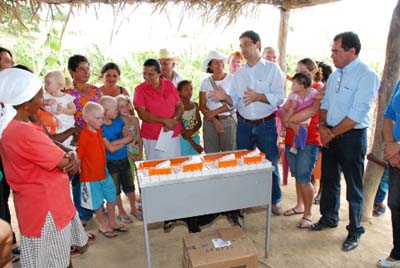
[192, 167]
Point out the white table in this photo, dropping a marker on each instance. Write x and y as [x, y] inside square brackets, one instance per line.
[199, 194]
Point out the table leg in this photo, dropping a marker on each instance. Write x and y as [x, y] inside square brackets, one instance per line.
[267, 230]
[147, 244]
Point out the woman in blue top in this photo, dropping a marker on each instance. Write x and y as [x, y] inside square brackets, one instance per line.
[391, 133]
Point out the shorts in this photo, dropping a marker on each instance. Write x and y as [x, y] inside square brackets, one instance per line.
[93, 193]
[302, 164]
[121, 172]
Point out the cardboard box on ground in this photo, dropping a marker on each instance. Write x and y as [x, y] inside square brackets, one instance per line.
[199, 250]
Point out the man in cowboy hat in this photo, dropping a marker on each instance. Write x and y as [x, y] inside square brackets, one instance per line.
[167, 62]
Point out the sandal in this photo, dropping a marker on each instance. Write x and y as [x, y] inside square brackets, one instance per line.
[138, 215]
[125, 219]
[74, 251]
[108, 234]
[122, 229]
[91, 238]
[276, 210]
[304, 223]
[14, 258]
[291, 212]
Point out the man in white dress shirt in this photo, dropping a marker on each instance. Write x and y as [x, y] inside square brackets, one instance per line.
[256, 92]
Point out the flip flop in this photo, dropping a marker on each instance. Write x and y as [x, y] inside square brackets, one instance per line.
[122, 229]
[304, 223]
[91, 238]
[138, 215]
[108, 234]
[125, 219]
[292, 212]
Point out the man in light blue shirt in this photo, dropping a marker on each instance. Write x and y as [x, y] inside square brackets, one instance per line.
[256, 92]
[344, 119]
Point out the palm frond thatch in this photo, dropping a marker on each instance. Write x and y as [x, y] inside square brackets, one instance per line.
[211, 10]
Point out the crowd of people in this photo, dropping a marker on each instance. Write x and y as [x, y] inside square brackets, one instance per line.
[87, 138]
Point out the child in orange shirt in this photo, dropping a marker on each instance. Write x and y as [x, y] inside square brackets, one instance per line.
[97, 184]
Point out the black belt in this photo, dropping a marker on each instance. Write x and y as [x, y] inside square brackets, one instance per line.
[258, 121]
[223, 117]
[353, 130]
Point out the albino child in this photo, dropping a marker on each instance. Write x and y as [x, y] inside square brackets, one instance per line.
[58, 103]
[191, 121]
[96, 183]
[301, 97]
[116, 137]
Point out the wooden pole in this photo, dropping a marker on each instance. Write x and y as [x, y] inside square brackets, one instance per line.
[391, 74]
[283, 32]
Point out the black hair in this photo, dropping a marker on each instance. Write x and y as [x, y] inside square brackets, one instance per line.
[110, 66]
[22, 67]
[304, 79]
[153, 62]
[75, 60]
[2, 49]
[325, 69]
[255, 37]
[349, 40]
[183, 83]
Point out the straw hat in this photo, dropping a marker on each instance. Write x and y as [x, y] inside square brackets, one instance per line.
[213, 55]
[165, 54]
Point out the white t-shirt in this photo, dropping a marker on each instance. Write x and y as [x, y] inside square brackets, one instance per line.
[206, 87]
[65, 121]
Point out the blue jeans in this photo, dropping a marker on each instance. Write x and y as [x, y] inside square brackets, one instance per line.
[84, 214]
[383, 188]
[263, 136]
[394, 205]
[345, 153]
[302, 164]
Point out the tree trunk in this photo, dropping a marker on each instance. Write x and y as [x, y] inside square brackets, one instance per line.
[391, 74]
[283, 32]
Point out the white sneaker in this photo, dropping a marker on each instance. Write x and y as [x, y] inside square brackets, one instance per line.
[385, 263]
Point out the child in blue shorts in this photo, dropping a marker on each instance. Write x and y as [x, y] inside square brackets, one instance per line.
[97, 185]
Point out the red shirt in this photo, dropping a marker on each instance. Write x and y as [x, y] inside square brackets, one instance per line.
[161, 103]
[92, 153]
[30, 161]
[313, 135]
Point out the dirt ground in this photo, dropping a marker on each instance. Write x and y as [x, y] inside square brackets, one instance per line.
[290, 247]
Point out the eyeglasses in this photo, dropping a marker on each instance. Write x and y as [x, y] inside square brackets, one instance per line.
[246, 44]
[339, 81]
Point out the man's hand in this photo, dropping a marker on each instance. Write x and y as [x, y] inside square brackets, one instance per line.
[326, 135]
[394, 161]
[391, 148]
[250, 96]
[73, 165]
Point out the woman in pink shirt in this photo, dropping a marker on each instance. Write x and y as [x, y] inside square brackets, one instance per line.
[158, 104]
[36, 171]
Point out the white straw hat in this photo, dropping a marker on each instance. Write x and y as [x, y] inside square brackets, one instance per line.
[165, 54]
[213, 55]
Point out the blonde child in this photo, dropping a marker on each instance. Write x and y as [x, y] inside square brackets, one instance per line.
[126, 112]
[58, 103]
[116, 137]
[301, 97]
[97, 184]
[191, 120]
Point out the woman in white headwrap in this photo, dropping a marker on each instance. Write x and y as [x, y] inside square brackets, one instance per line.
[36, 171]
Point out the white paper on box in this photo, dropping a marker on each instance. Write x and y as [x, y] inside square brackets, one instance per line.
[220, 243]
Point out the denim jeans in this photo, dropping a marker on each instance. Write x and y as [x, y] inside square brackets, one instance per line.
[84, 214]
[394, 205]
[302, 164]
[383, 188]
[345, 153]
[263, 136]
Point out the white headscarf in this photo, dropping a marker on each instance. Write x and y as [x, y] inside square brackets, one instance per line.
[16, 87]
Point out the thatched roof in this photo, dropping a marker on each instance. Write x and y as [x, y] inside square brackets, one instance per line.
[216, 9]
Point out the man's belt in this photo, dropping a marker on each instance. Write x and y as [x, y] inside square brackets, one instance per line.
[258, 121]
